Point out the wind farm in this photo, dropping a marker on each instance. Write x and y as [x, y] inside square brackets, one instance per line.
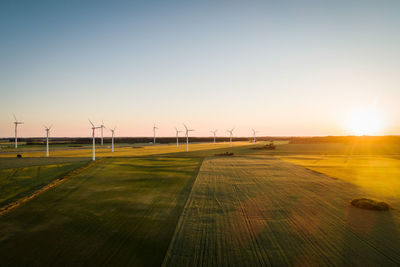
[158, 133]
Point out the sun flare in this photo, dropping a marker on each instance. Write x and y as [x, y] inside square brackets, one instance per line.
[365, 122]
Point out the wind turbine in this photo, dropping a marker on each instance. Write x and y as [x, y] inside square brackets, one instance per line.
[254, 135]
[230, 135]
[112, 138]
[94, 140]
[102, 126]
[47, 138]
[16, 122]
[214, 132]
[187, 137]
[177, 136]
[154, 133]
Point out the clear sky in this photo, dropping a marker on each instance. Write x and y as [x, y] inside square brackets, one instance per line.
[281, 67]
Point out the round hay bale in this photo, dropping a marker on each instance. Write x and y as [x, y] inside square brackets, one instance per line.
[369, 204]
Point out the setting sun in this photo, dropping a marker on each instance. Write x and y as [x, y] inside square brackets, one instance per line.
[367, 121]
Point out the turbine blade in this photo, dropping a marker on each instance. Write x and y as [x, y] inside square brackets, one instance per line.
[91, 123]
[15, 118]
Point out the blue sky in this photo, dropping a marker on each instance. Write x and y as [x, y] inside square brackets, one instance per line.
[287, 68]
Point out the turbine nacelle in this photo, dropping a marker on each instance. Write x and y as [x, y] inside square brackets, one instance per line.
[113, 130]
[231, 131]
[47, 128]
[94, 127]
[16, 121]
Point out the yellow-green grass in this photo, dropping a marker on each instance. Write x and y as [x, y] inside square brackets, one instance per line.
[16, 183]
[338, 149]
[127, 151]
[7, 163]
[378, 176]
[249, 211]
[119, 212]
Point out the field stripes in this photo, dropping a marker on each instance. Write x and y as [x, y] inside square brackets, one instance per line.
[246, 211]
[10, 163]
[379, 176]
[57, 181]
[118, 212]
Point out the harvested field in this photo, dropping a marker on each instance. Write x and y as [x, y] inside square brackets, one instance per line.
[248, 211]
[379, 176]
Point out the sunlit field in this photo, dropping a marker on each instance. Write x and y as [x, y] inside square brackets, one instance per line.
[159, 205]
[133, 150]
[261, 211]
[380, 176]
[286, 114]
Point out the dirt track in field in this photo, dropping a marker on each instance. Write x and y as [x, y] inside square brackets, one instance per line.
[248, 211]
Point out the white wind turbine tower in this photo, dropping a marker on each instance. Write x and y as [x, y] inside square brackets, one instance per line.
[177, 136]
[154, 133]
[47, 138]
[254, 135]
[102, 126]
[187, 137]
[112, 138]
[16, 122]
[94, 140]
[230, 135]
[215, 133]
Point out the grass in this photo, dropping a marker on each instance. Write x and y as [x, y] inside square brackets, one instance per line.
[126, 151]
[121, 211]
[16, 183]
[249, 211]
[379, 176]
[144, 206]
[8, 163]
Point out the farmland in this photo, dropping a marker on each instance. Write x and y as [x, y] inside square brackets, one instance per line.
[133, 150]
[378, 175]
[19, 182]
[251, 211]
[157, 205]
[120, 211]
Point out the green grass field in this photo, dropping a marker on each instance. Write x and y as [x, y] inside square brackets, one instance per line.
[121, 212]
[151, 206]
[8, 163]
[16, 183]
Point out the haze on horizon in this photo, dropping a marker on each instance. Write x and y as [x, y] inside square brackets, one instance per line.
[286, 69]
